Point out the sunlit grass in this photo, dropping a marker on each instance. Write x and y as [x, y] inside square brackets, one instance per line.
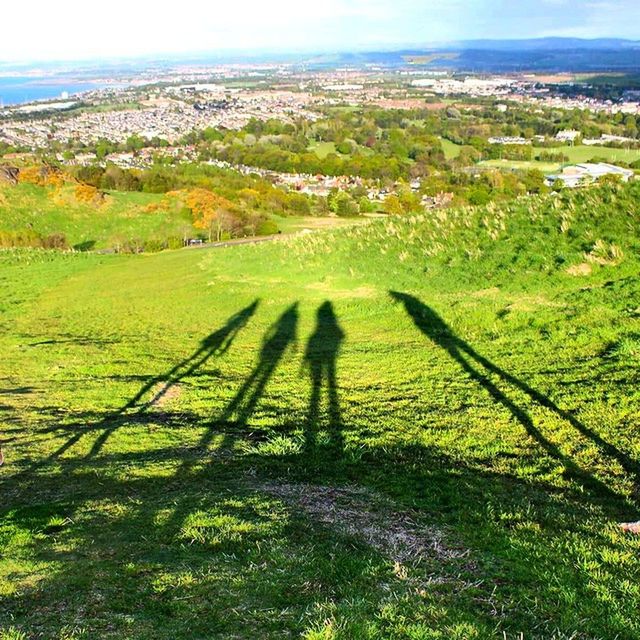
[265, 442]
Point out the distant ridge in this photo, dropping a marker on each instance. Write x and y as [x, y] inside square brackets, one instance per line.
[542, 44]
[502, 56]
[554, 54]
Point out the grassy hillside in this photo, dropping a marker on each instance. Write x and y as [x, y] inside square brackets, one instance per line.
[421, 428]
[120, 216]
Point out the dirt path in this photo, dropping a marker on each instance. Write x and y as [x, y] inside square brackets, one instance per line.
[230, 243]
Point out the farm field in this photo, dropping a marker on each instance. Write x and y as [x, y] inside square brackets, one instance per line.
[418, 428]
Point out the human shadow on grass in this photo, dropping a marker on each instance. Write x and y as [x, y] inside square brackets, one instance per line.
[437, 330]
[232, 422]
[132, 549]
[17, 391]
[278, 339]
[157, 387]
[320, 358]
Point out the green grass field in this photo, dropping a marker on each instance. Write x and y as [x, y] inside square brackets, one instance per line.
[411, 429]
[522, 165]
[576, 155]
[584, 153]
[296, 224]
[322, 149]
[451, 149]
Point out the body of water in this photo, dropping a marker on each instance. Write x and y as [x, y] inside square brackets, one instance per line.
[18, 90]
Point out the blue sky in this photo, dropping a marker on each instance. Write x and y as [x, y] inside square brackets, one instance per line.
[75, 29]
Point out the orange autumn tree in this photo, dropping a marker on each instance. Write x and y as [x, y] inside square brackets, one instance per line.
[43, 176]
[31, 175]
[211, 212]
[87, 194]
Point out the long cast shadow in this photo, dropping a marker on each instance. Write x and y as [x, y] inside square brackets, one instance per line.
[320, 357]
[436, 329]
[150, 393]
[279, 337]
[275, 343]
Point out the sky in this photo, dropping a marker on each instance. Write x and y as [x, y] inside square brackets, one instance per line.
[80, 30]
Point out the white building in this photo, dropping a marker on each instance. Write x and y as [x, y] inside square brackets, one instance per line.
[568, 135]
[509, 140]
[582, 174]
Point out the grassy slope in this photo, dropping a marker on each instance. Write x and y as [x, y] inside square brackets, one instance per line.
[120, 217]
[495, 401]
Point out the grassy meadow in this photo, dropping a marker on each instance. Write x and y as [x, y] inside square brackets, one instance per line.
[420, 428]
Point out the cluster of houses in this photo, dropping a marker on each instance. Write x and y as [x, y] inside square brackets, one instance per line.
[166, 117]
[605, 139]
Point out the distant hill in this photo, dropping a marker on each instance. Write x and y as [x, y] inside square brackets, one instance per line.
[502, 56]
[544, 44]
[490, 56]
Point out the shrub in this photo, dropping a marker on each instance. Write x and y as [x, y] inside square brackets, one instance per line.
[87, 193]
[267, 228]
[55, 241]
[30, 238]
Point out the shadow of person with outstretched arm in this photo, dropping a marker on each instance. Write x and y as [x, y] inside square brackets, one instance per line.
[320, 358]
[436, 329]
[278, 339]
[215, 344]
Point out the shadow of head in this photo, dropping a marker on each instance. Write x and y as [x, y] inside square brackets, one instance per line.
[424, 317]
[234, 323]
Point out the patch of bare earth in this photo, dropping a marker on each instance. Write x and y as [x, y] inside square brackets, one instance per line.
[163, 393]
[368, 516]
[578, 270]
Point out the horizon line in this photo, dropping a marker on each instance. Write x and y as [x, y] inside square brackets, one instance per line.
[201, 55]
